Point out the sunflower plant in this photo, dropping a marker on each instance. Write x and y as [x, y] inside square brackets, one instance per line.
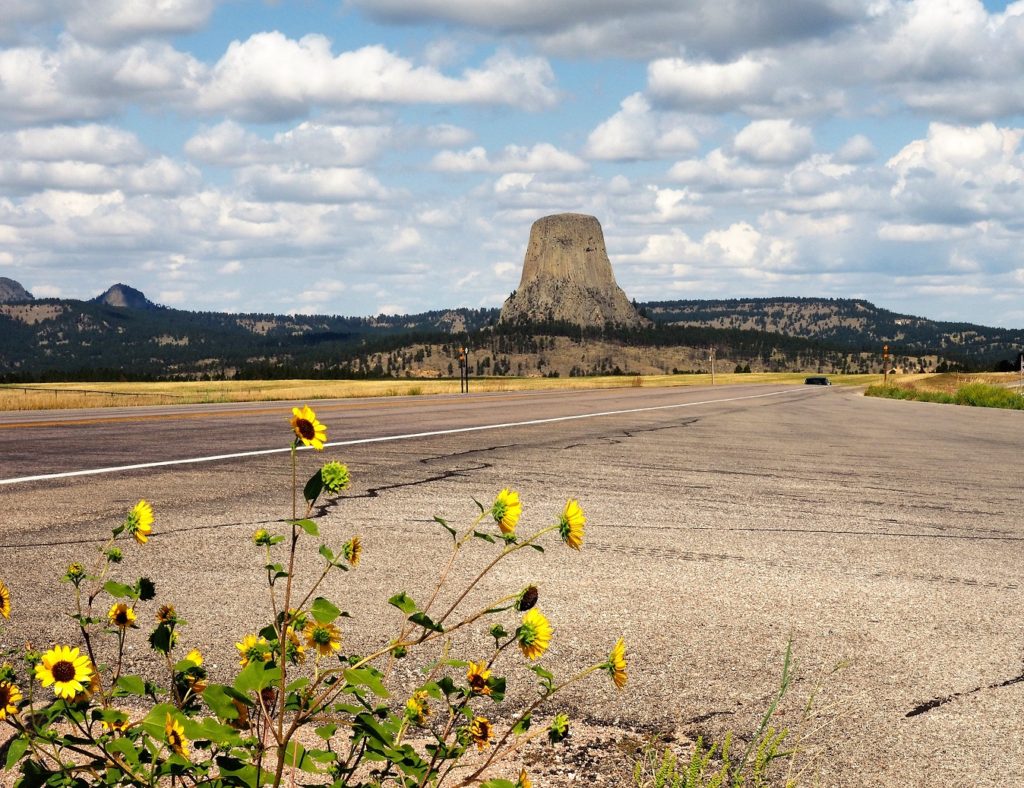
[299, 705]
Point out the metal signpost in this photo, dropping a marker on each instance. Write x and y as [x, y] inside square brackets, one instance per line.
[464, 370]
[885, 365]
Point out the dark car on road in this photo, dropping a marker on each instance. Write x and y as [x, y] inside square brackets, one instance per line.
[817, 380]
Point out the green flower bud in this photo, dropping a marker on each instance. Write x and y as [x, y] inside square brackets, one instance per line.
[334, 476]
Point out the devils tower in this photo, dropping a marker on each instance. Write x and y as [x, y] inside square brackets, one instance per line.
[567, 276]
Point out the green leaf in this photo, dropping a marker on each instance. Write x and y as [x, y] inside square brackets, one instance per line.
[219, 698]
[403, 602]
[313, 487]
[497, 687]
[162, 638]
[480, 506]
[324, 611]
[15, 750]
[327, 553]
[522, 726]
[537, 547]
[444, 524]
[485, 536]
[325, 732]
[130, 685]
[145, 589]
[426, 622]
[119, 590]
[497, 783]
[308, 526]
[257, 675]
[367, 677]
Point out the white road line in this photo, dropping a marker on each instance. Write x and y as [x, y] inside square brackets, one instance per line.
[409, 436]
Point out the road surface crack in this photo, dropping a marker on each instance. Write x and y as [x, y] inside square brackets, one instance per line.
[934, 703]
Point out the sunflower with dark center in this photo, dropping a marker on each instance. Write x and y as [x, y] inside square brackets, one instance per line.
[527, 599]
[68, 670]
[5, 600]
[174, 732]
[476, 676]
[139, 522]
[570, 524]
[480, 732]
[307, 429]
[506, 511]
[10, 696]
[167, 615]
[534, 634]
[121, 616]
[325, 638]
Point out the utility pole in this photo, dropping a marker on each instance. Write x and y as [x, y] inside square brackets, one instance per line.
[712, 365]
[885, 365]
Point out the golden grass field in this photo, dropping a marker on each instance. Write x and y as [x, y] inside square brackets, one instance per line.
[48, 396]
[949, 382]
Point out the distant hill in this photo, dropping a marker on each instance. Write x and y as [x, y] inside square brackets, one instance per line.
[11, 291]
[124, 296]
[842, 322]
[123, 335]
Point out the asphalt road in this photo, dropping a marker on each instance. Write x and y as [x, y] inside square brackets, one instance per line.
[882, 536]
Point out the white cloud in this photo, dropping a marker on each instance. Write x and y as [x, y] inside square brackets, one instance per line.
[718, 170]
[111, 21]
[445, 135]
[88, 143]
[636, 132]
[272, 77]
[961, 174]
[230, 267]
[310, 185]
[402, 241]
[856, 150]
[542, 157]
[706, 86]
[774, 142]
[231, 145]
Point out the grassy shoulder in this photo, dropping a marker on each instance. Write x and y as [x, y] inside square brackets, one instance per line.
[48, 396]
[987, 391]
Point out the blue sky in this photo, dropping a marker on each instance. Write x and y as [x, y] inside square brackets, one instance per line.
[390, 155]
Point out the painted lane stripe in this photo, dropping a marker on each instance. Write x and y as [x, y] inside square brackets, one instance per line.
[384, 439]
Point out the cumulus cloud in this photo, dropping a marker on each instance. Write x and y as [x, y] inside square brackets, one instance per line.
[542, 157]
[774, 142]
[272, 77]
[856, 150]
[232, 145]
[961, 174]
[300, 184]
[637, 132]
[114, 21]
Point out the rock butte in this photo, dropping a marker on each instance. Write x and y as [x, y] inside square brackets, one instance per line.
[567, 276]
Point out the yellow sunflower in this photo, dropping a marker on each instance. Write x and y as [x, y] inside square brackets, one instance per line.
[534, 634]
[570, 524]
[10, 695]
[477, 675]
[174, 732]
[294, 648]
[524, 780]
[616, 665]
[307, 429]
[417, 708]
[195, 657]
[353, 550]
[66, 669]
[139, 522]
[5, 600]
[253, 648]
[480, 732]
[121, 616]
[325, 638]
[507, 510]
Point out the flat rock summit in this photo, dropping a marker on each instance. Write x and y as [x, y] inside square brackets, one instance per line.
[568, 277]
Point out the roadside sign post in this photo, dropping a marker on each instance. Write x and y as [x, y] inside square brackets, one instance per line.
[712, 366]
[885, 365]
[463, 370]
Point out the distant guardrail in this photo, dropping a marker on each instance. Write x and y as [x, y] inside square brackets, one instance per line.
[57, 392]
